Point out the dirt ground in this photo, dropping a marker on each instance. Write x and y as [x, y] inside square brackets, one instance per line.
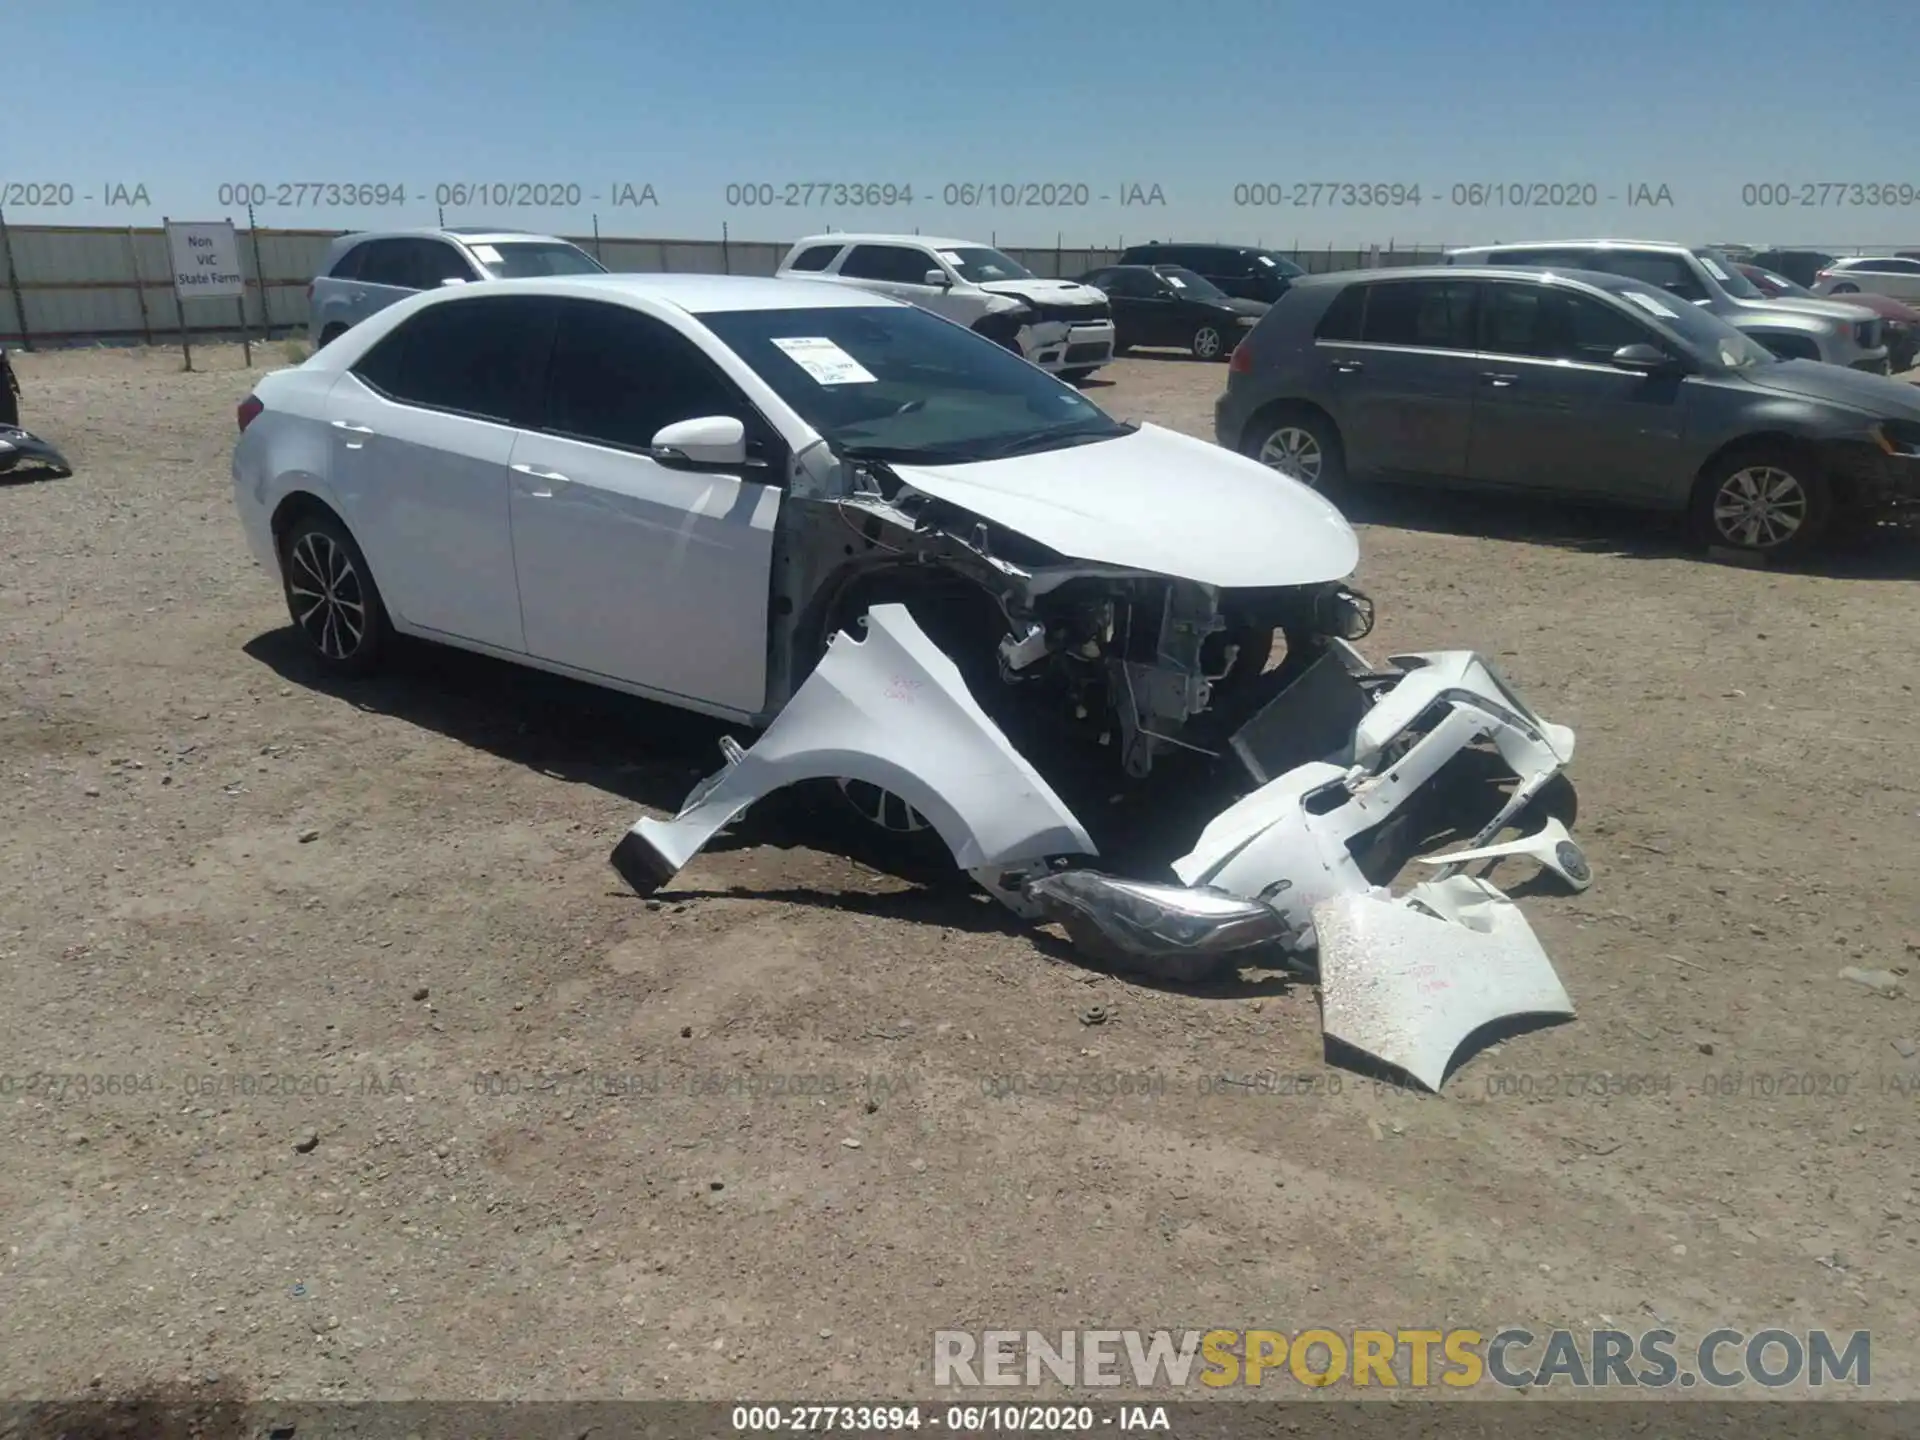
[401, 1093]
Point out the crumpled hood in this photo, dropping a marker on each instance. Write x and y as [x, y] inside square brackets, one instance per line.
[1159, 501]
[1047, 292]
[1879, 395]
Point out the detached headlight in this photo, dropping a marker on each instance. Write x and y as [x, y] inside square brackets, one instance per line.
[1899, 437]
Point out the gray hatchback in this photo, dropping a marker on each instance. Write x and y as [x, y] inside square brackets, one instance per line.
[1585, 385]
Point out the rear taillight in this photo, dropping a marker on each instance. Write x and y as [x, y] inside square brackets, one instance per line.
[1823, 277]
[249, 408]
[1241, 361]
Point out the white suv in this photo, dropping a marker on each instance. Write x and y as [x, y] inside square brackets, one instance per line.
[1059, 325]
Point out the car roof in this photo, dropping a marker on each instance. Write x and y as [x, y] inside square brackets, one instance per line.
[930, 242]
[1531, 274]
[1671, 245]
[465, 234]
[1199, 245]
[695, 294]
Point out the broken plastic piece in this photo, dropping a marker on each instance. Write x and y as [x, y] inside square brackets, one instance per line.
[1552, 847]
[893, 711]
[1167, 930]
[18, 446]
[1407, 980]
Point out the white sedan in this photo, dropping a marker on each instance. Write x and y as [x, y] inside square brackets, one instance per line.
[921, 566]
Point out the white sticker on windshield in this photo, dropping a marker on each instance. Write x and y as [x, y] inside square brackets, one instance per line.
[951, 258]
[1176, 282]
[1713, 267]
[1648, 303]
[488, 255]
[824, 360]
[1266, 260]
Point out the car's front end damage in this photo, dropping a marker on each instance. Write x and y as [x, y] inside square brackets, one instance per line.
[976, 672]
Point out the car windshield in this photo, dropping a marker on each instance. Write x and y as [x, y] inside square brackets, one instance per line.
[528, 259]
[1190, 285]
[899, 383]
[1280, 262]
[1728, 275]
[1701, 333]
[978, 264]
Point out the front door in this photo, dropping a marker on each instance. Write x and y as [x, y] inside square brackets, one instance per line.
[1552, 413]
[631, 568]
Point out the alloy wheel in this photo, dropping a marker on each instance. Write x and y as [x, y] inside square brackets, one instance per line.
[329, 602]
[1207, 343]
[1295, 453]
[1760, 507]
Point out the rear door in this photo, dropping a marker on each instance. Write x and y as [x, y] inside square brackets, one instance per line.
[1403, 391]
[628, 567]
[422, 430]
[1551, 412]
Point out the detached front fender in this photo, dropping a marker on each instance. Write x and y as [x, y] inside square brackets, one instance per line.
[893, 711]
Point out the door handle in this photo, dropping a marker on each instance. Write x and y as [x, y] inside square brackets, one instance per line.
[1347, 367]
[1500, 382]
[549, 479]
[351, 428]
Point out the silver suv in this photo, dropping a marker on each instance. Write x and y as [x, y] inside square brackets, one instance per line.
[370, 270]
[1792, 329]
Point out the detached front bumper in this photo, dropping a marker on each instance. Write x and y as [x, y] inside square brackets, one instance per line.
[1068, 345]
[20, 448]
[1338, 759]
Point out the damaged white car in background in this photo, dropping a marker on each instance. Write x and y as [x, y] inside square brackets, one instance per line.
[943, 581]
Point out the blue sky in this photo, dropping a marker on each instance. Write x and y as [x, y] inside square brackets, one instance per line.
[1701, 96]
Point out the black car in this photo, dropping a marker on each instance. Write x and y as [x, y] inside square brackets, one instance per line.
[1585, 385]
[1168, 305]
[1799, 266]
[1244, 271]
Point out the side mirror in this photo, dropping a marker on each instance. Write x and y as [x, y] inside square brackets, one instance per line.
[937, 277]
[1646, 360]
[709, 440]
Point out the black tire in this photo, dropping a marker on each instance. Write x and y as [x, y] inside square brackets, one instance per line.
[329, 588]
[1075, 376]
[1319, 457]
[1209, 342]
[1771, 500]
[1845, 288]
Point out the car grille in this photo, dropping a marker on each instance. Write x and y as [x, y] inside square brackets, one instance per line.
[1866, 333]
[1078, 353]
[1072, 314]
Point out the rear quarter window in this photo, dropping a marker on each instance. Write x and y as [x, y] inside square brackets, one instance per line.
[1342, 318]
[347, 267]
[814, 257]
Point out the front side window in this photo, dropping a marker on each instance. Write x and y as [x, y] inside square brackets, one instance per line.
[1547, 322]
[477, 357]
[347, 267]
[618, 377]
[899, 383]
[387, 262]
[1423, 314]
[435, 261]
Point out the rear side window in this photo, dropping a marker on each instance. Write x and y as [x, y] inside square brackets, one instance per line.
[814, 257]
[1550, 323]
[387, 262]
[1428, 314]
[894, 263]
[619, 376]
[347, 267]
[434, 261]
[1232, 264]
[482, 358]
[1342, 320]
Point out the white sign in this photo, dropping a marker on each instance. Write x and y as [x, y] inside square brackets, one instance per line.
[206, 260]
[825, 361]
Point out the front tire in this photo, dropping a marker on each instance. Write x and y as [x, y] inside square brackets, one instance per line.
[1301, 444]
[331, 596]
[1767, 500]
[1074, 377]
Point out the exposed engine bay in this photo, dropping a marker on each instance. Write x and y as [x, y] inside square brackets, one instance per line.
[971, 673]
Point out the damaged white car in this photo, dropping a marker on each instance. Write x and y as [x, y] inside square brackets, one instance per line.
[931, 573]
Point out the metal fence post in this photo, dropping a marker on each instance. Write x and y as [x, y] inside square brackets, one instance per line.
[596, 237]
[13, 283]
[726, 252]
[139, 286]
[259, 276]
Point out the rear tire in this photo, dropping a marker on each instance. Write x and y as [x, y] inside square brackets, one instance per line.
[1300, 443]
[1074, 377]
[1846, 288]
[1770, 500]
[1209, 342]
[331, 596]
